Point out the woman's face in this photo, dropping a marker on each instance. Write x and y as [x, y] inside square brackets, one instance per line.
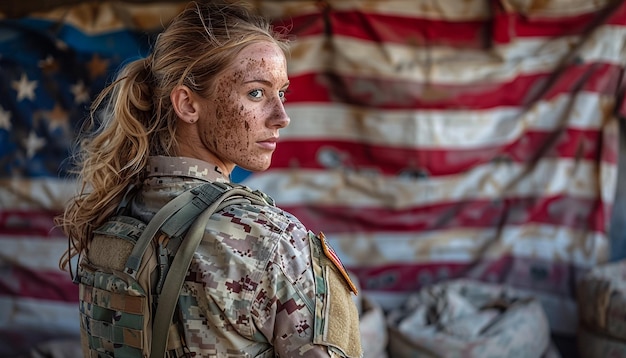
[240, 123]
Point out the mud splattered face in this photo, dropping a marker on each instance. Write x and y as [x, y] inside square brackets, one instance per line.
[240, 124]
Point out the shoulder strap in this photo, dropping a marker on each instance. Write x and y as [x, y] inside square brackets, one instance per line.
[175, 217]
[176, 274]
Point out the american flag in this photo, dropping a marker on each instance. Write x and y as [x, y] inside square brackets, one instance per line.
[436, 140]
[429, 140]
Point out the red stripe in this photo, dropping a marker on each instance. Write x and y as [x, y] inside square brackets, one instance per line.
[22, 281]
[384, 28]
[414, 31]
[555, 277]
[302, 25]
[510, 25]
[422, 31]
[520, 91]
[582, 214]
[18, 222]
[327, 154]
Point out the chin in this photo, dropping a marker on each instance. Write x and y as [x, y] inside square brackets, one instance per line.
[256, 168]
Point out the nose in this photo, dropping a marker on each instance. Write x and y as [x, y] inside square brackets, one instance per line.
[279, 118]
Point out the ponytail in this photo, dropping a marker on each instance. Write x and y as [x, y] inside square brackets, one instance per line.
[120, 137]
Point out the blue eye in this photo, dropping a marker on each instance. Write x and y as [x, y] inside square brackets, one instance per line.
[256, 93]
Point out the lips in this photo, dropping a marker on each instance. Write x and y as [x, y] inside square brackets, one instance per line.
[269, 143]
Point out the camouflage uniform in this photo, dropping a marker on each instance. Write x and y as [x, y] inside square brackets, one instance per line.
[260, 284]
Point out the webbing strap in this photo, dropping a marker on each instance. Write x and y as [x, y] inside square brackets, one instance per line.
[134, 260]
[111, 300]
[115, 334]
[182, 220]
[178, 270]
[183, 208]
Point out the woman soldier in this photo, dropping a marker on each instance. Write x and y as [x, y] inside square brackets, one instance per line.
[210, 96]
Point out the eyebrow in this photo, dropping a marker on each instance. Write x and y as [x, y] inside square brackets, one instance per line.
[266, 82]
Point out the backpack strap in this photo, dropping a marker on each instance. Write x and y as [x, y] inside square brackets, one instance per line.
[175, 217]
[178, 269]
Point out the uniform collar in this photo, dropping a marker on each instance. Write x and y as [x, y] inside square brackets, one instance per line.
[184, 167]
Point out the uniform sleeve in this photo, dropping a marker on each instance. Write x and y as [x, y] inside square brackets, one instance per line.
[293, 305]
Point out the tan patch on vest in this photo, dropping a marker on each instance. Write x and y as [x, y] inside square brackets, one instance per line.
[109, 252]
[343, 318]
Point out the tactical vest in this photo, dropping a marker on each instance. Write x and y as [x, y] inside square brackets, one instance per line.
[131, 277]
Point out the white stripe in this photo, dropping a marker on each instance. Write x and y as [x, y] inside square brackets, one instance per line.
[57, 318]
[562, 312]
[488, 181]
[467, 245]
[608, 173]
[445, 10]
[33, 252]
[445, 129]
[448, 65]
[39, 194]
[605, 44]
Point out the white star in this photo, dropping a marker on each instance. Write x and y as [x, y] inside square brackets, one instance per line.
[33, 144]
[5, 119]
[80, 92]
[56, 118]
[24, 88]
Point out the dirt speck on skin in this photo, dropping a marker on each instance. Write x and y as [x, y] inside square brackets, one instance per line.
[228, 115]
[237, 121]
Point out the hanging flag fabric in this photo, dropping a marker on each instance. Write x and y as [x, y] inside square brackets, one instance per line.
[477, 140]
[428, 141]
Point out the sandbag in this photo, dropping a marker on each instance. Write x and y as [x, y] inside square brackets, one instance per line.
[601, 299]
[464, 318]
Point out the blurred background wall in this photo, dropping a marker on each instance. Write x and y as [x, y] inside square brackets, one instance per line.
[429, 140]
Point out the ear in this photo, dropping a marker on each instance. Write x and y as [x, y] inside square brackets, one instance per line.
[185, 106]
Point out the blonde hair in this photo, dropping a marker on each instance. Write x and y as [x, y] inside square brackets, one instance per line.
[133, 117]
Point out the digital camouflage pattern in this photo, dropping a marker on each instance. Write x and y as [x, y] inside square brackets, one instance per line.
[257, 283]
[114, 307]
